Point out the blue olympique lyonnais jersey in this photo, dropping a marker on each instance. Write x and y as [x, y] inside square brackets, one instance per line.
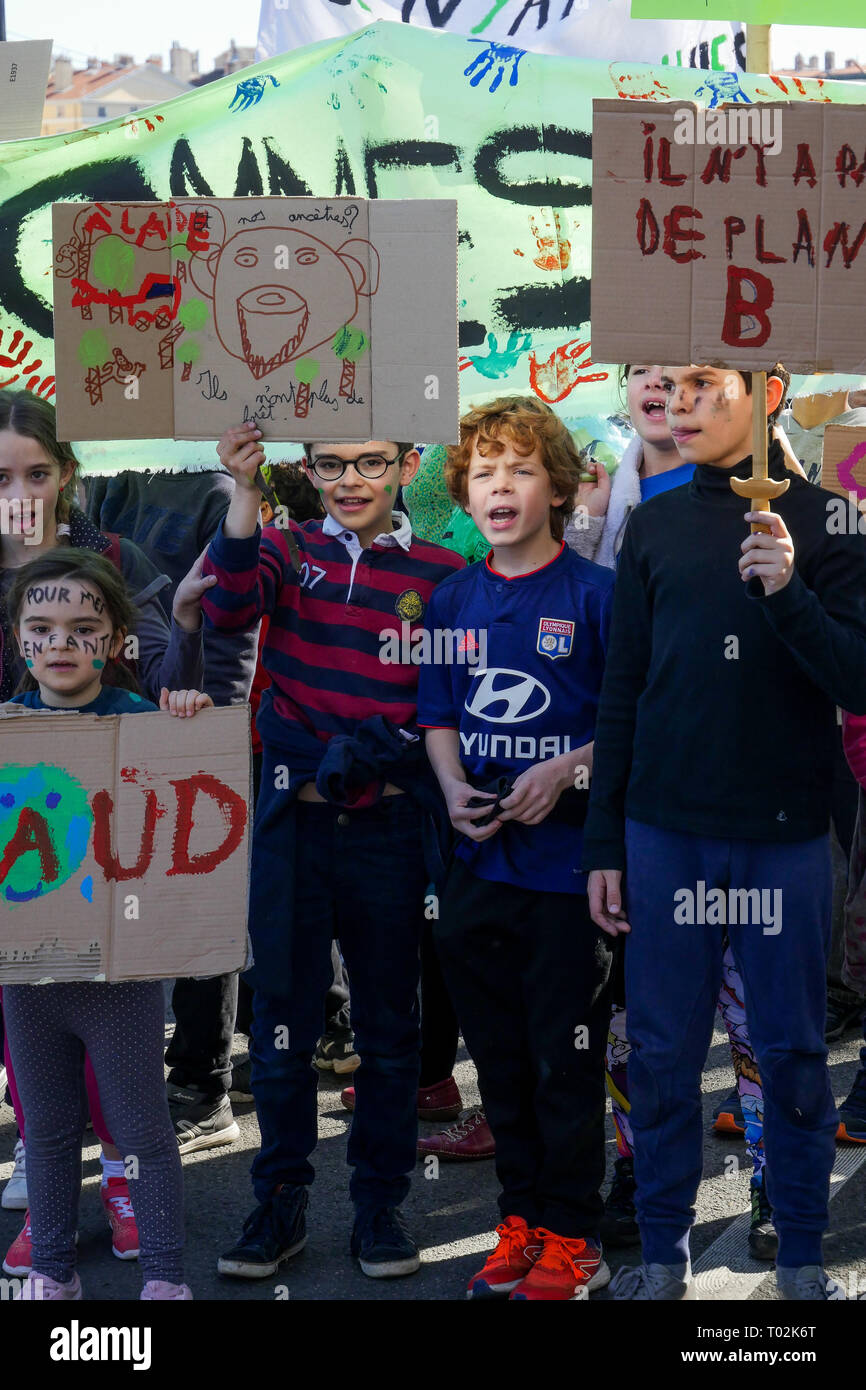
[526, 690]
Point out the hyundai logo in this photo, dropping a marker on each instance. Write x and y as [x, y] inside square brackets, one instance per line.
[507, 697]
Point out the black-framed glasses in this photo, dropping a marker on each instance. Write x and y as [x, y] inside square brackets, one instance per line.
[331, 469]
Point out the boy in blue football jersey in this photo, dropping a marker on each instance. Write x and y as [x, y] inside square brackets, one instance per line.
[509, 734]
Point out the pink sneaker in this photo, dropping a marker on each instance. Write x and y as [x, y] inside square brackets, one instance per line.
[121, 1218]
[159, 1289]
[39, 1286]
[20, 1252]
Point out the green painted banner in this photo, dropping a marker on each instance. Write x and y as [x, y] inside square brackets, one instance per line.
[391, 112]
[836, 12]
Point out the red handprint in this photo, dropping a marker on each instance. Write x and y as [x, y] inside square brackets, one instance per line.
[556, 378]
[18, 349]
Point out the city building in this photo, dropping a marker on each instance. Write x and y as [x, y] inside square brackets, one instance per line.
[103, 91]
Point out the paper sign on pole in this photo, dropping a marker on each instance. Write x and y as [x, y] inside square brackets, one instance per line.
[843, 464]
[732, 237]
[836, 12]
[24, 71]
[124, 845]
[314, 318]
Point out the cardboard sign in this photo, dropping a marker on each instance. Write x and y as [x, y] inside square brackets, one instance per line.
[842, 12]
[123, 845]
[23, 82]
[843, 463]
[317, 319]
[732, 237]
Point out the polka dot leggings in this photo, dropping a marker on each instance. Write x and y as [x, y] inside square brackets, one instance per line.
[122, 1028]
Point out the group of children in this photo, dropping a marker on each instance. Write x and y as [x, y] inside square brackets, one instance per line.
[631, 703]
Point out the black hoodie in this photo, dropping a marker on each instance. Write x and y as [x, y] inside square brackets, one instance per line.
[718, 707]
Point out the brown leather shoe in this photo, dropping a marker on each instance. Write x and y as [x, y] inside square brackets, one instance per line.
[469, 1138]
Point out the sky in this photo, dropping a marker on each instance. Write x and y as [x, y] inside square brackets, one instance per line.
[94, 27]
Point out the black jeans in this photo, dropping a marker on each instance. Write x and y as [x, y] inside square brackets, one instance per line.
[200, 1053]
[360, 877]
[440, 1033]
[338, 1022]
[529, 974]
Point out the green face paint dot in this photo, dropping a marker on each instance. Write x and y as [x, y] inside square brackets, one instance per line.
[97, 664]
[387, 487]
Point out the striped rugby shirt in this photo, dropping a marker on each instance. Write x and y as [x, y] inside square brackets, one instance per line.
[329, 621]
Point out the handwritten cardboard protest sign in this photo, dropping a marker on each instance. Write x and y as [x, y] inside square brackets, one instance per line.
[315, 318]
[843, 463]
[123, 845]
[731, 237]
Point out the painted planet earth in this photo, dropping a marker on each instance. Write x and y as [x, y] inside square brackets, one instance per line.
[45, 823]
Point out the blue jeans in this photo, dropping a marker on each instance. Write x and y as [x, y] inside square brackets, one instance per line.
[359, 877]
[673, 972]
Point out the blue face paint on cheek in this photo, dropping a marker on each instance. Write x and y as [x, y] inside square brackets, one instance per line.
[97, 664]
[29, 664]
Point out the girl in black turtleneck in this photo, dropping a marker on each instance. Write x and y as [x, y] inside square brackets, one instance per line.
[713, 766]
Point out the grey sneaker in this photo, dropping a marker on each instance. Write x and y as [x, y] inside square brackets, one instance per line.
[809, 1282]
[200, 1121]
[659, 1283]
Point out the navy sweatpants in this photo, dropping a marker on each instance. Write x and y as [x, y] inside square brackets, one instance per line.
[673, 972]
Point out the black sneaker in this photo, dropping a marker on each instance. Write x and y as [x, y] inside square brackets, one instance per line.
[844, 1011]
[200, 1121]
[241, 1087]
[382, 1244]
[763, 1241]
[336, 1054]
[619, 1222]
[275, 1231]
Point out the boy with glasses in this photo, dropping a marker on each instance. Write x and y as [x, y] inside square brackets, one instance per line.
[343, 843]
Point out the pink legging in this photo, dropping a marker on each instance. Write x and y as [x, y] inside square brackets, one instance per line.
[100, 1128]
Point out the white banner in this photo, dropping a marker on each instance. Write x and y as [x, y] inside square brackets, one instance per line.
[599, 29]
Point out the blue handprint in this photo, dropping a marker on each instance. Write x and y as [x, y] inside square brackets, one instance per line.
[486, 60]
[499, 361]
[251, 90]
[723, 87]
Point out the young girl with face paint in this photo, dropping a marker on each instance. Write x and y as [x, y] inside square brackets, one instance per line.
[38, 475]
[70, 614]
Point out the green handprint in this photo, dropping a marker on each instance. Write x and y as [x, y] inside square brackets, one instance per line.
[499, 362]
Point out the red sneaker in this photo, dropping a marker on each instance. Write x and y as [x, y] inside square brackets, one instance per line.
[513, 1258]
[121, 1219]
[439, 1102]
[565, 1270]
[471, 1137]
[20, 1253]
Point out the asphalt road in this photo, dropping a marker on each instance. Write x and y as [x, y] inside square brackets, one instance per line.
[451, 1216]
